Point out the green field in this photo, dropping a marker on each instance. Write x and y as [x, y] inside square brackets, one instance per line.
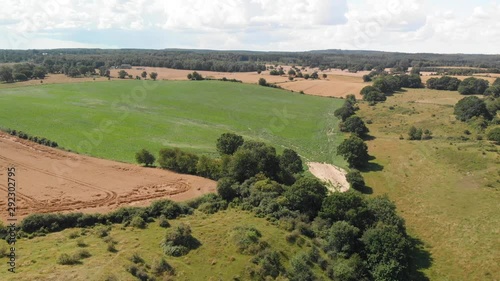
[446, 188]
[216, 259]
[114, 120]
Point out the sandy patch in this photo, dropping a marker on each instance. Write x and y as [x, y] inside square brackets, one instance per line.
[334, 176]
[52, 180]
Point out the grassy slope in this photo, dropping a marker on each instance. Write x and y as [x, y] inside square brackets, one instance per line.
[447, 190]
[216, 259]
[104, 120]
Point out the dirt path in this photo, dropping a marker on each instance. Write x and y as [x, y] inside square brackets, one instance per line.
[52, 180]
[334, 176]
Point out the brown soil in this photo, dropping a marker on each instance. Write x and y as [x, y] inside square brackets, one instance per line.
[52, 180]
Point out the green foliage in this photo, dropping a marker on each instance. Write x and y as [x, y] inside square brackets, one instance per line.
[299, 269]
[195, 76]
[179, 241]
[345, 111]
[347, 206]
[253, 158]
[138, 222]
[306, 196]
[161, 266]
[354, 151]
[145, 157]
[493, 91]
[163, 222]
[6, 74]
[122, 74]
[65, 259]
[355, 179]
[387, 251]
[262, 82]
[351, 269]
[414, 133]
[228, 143]
[473, 86]
[355, 125]
[443, 83]
[367, 78]
[209, 203]
[372, 94]
[178, 160]
[226, 188]
[269, 264]
[494, 135]
[343, 239]
[144, 74]
[153, 75]
[469, 107]
[209, 168]
[246, 239]
[410, 81]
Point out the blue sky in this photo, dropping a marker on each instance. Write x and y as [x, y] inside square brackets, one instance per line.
[286, 25]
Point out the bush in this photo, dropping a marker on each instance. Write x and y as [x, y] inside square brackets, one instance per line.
[178, 161]
[163, 222]
[262, 82]
[138, 222]
[473, 86]
[299, 269]
[179, 241]
[414, 133]
[135, 258]
[66, 259]
[80, 243]
[354, 151]
[82, 254]
[355, 179]
[494, 135]
[228, 143]
[161, 266]
[246, 239]
[209, 168]
[470, 107]
[443, 83]
[355, 125]
[144, 157]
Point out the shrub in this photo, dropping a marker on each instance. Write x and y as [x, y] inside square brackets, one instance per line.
[102, 231]
[138, 222]
[144, 157]
[161, 266]
[299, 269]
[470, 107]
[82, 254]
[228, 143]
[178, 161]
[66, 259]
[354, 151]
[355, 179]
[473, 86]
[163, 222]
[262, 82]
[179, 241]
[355, 125]
[494, 135]
[414, 133]
[246, 239]
[80, 243]
[136, 258]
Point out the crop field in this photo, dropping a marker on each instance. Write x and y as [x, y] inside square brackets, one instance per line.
[113, 120]
[446, 188]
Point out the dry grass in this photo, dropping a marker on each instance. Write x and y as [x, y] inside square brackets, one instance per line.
[446, 189]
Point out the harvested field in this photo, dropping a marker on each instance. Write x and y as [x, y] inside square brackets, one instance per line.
[52, 180]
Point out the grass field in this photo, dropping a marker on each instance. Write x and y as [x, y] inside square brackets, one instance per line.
[115, 119]
[216, 259]
[447, 188]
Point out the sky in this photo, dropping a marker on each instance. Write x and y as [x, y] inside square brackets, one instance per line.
[439, 26]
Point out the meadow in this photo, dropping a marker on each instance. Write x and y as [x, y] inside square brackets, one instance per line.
[446, 188]
[217, 258]
[113, 120]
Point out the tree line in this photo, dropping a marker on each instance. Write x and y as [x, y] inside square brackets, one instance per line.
[243, 61]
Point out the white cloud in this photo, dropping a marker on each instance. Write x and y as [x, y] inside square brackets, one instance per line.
[393, 25]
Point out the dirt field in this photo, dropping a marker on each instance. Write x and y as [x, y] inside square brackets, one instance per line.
[334, 176]
[51, 180]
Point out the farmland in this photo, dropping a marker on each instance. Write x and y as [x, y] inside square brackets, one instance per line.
[113, 120]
